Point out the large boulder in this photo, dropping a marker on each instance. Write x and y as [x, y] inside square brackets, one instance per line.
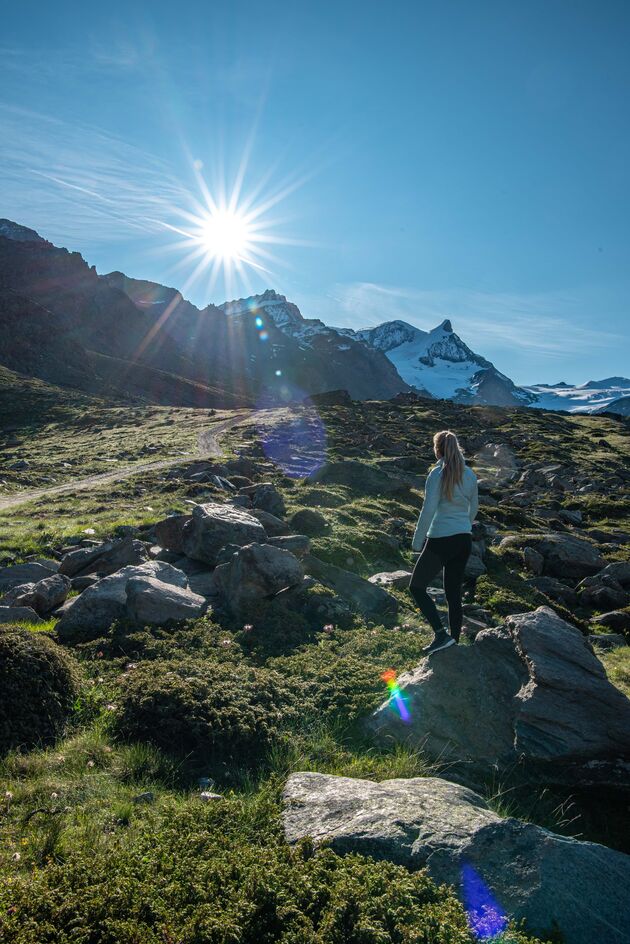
[368, 479]
[256, 572]
[603, 592]
[368, 598]
[564, 555]
[152, 601]
[212, 526]
[530, 696]
[527, 873]
[19, 614]
[93, 612]
[104, 559]
[19, 574]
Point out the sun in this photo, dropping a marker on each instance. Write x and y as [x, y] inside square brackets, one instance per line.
[226, 235]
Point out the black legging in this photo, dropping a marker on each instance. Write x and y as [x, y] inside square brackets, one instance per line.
[450, 553]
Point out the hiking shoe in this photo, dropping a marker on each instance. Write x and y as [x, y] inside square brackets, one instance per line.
[441, 641]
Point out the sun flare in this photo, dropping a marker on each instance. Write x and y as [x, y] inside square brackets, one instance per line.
[226, 235]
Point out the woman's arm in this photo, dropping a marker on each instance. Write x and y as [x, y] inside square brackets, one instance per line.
[429, 507]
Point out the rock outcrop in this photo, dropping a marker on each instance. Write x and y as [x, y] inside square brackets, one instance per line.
[551, 882]
[212, 526]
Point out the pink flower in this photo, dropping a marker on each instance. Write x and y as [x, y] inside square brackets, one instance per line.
[328, 628]
[248, 627]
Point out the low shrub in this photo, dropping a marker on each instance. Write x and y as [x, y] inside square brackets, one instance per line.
[39, 685]
[211, 710]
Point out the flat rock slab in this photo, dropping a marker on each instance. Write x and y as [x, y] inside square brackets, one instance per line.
[398, 579]
[212, 526]
[368, 598]
[24, 573]
[533, 874]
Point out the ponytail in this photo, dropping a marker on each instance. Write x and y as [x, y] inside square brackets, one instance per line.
[447, 449]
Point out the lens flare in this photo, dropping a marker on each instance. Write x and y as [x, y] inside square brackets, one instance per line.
[397, 699]
[485, 917]
[296, 445]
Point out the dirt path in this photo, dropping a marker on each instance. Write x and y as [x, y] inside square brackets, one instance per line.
[208, 446]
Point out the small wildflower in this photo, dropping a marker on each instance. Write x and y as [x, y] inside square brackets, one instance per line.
[100, 654]
[396, 628]
[130, 666]
[247, 628]
[8, 795]
[110, 707]
[54, 796]
[226, 642]
[328, 628]
[16, 857]
[90, 763]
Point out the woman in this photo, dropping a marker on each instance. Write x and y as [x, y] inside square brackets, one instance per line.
[449, 509]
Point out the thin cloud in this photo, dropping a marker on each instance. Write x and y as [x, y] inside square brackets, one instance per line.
[71, 179]
[538, 323]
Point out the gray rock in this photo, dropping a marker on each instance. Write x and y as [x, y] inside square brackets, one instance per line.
[274, 526]
[297, 544]
[389, 579]
[19, 574]
[43, 596]
[619, 571]
[555, 589]
[570, 516]
[564, 554]
[169, 533]
[93, 612]
[82, 583]
[104, 559]
[212, 526]
[256, 572]
[607, 641]
[533, 874]
[530, 696]
[603, 592]
[475, 565]
[533, 561]
[19, 614]
[265, 497]
[309, 521]
[151, 601]
[368, 598]
[619, 620]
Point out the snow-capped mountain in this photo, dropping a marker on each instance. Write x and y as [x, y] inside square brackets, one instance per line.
[594, 396]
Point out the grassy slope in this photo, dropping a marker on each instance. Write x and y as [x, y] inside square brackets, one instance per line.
[98, 867]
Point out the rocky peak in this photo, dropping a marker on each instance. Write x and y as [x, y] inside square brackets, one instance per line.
[19, 233]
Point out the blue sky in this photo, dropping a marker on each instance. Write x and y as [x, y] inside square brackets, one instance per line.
[419, 159]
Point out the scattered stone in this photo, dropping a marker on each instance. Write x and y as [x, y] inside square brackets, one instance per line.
[555, 589]
[82, 583]
[274, 526]
[398, 579]
[104, 559]
[603, 592]
[169, 533]
[297, 544]
[266, 497]
[19, 614]
[20, 465]
[537, 876]
[564, 554]
[529, 695]
[207, 797]
[475, 565]
[368, 598]
[256, 572]
[212, 526]
[151, 601]
[147, 797]
[308, 521]
[570, 516]
[619, 570]
[19, 574]
[533, 561]
[619, 620]
[607, 641]
[43, 596]
[93, 612]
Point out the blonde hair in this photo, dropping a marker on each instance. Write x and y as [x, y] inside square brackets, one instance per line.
[447, 449]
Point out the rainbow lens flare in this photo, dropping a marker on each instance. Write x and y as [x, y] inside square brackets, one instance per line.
[397, 699]
[485, 917]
